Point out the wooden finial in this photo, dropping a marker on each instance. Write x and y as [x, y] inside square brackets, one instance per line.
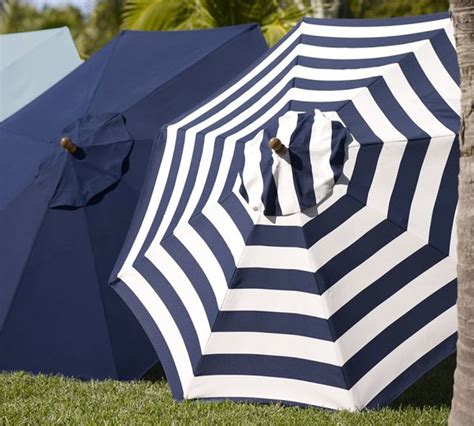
[68, 145]
[276, 145]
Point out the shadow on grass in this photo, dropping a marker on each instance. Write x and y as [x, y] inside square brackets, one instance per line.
[434, 389]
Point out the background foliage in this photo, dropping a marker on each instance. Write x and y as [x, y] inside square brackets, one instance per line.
[105, 18]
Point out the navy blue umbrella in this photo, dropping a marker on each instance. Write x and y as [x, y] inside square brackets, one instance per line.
[65, 212]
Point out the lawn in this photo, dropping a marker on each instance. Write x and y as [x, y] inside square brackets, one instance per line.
[52, 399]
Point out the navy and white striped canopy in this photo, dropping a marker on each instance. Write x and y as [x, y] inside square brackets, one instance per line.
[341, 300]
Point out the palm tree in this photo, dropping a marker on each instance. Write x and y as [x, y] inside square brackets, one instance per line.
[462, 408]
[276, 17]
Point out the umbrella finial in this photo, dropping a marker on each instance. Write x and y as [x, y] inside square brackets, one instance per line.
[68, 145]
[276, 145]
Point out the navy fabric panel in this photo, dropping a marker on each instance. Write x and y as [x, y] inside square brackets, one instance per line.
[181, 49]
[348, 259]
[272, 366]
[275, 279]
[272, 322]
[195, 274]
[399, 331]
[445, 206]
[43, 334]
[174, 305]
[108, 216]
[383, 288]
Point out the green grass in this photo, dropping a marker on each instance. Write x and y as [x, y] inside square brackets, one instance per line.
[27, 399]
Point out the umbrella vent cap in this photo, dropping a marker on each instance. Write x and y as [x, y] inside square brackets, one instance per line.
[67, 143]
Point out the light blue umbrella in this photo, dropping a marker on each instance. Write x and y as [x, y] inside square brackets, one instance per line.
[30, 63]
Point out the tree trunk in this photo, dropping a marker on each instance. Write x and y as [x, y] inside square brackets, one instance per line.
[462, 407]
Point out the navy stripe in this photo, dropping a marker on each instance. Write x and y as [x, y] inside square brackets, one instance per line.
[234, 208]
[399, 331]
[414, 372]
[397, 116]
[272, 366]
[156, 338]
[383, 288]
[330, 219]
[328, 85]
[300, 159]
[368, 41]
[203, 226]
[377, 22]
[275, 279]
[428, 94]
[362, 249]
[189, 184]
[311, 232]
[444, 209]
[407, 179]
[340, 140]
[167, 192]
[273, 322]
[447, 55]
[195, 274]
[348, 63]
[175, 306]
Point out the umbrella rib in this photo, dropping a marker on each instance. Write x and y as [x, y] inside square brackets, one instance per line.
[117, 41]
[183, 69]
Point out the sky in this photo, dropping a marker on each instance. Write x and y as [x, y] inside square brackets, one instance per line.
[84, 5]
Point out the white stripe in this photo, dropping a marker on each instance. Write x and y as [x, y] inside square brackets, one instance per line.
[372, 31]
[406, 354]
[431, 173]
[272, 344]
[276, 258]
[320, 148]
[184, 289]
[395, 307]
[226, 227]
[369, 271]
[198, 249]
[164, 321]
[252, 181]
[281, 167]
[282, 301]
[412, 105]
[439, 77]
[343, 236]
[359, 52]
[278, 389]
[385, 176]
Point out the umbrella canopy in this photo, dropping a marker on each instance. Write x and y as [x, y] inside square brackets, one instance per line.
[323, 273]
[62, 232]
[31, 63]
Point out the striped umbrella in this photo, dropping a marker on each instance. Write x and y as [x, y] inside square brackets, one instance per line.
[321, 272]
